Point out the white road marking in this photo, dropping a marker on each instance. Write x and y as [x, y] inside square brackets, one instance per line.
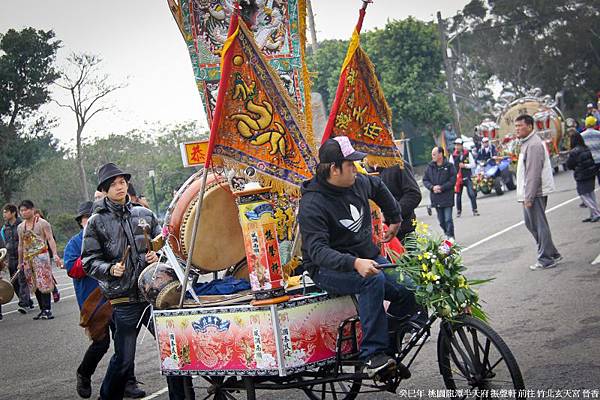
[35, 304]
[156, 394]
[597, 260]
[503, 231]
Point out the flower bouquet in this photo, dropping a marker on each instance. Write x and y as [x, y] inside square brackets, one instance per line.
[436, 267]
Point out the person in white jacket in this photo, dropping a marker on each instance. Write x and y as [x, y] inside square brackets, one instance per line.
[534, 183]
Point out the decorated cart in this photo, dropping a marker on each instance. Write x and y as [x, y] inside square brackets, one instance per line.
[549, 123]
[226, 304]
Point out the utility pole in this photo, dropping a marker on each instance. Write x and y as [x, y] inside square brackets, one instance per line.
[311, 22]
[449, 74]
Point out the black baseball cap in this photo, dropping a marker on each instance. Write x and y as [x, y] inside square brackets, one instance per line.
[339, 149]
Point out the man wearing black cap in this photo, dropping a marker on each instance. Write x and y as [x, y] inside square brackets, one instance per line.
[84, 287]
[115, 252]
[337, 249]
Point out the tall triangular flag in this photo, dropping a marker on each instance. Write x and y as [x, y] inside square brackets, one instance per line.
[255, 121]
[360, 110]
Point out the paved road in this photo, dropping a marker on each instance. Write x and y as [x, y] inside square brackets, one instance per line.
[550, 319]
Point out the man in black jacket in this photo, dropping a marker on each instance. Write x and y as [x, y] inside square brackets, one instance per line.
[115, 226]
[439, 179]
[401, 182]
[337, 248]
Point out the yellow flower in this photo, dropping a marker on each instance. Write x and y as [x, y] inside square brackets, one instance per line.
[424, 266]
[420, 257]
[462, 282]
[427, 255]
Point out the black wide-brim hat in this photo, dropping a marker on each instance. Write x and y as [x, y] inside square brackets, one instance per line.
[85, 209]
[108, 171]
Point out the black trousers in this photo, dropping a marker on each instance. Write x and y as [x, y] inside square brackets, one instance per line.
[95, 352]
[43, 300]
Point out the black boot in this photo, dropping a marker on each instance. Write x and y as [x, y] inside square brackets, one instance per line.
[84, 386]
[133, 391]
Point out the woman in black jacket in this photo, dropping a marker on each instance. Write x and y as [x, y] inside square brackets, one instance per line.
[580, 159]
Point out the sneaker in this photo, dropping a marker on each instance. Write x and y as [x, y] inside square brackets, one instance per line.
[595, 219]
[56, 296]
[133, 391]
[476, 213]
[377, 363]
[38, 316]
[458, 214]
[47, 314]
[558, 258]
[587, 220]
[537, 265]
[84, 386]
[22, 310]
[1, 317]
[582, 205]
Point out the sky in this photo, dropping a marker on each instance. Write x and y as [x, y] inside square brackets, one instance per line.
[140, 44]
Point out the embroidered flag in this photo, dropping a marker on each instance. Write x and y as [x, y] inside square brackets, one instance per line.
[256, 123]
[360, 110]
[278, 28]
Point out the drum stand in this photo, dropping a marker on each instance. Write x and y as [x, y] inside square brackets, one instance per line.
[168, 252]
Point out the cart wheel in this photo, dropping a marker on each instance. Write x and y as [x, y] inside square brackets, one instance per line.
[340, 390]
[216, 391]
[471, 355]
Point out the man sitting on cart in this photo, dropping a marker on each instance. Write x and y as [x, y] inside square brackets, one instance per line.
[337, 248]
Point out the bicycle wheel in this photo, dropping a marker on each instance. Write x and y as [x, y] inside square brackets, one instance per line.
[339, 390]
[475, 362]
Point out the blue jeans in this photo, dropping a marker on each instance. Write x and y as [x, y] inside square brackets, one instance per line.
[444, 215]
[126, 318]
[371, 292]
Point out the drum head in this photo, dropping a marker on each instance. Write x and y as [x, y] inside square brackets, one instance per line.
[6, 291]
[169, 296]
[219, 241]
[2, 254]
[153, 279]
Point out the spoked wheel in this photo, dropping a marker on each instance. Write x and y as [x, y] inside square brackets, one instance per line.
[474, 360]
[339, 390]
[216, 389]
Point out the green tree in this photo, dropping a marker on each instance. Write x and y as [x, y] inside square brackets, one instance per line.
[26, 72]
[554, 45]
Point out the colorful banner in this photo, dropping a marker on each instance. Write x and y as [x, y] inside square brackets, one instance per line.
[360, 110]
[232, 340]
[255, 122]
[278, 27]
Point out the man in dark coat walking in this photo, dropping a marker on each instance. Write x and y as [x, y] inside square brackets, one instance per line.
[115, 252]
[439, 179]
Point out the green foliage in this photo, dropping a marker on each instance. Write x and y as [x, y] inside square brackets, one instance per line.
[327, 64]
[26, 71]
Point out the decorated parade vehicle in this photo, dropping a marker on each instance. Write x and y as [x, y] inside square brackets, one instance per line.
[497, 173]
[226, 304]
[549, 123]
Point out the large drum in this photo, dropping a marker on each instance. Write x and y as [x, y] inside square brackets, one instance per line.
[219, 241]
[159, 286]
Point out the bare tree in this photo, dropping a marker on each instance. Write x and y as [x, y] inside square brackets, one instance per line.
[88, 87]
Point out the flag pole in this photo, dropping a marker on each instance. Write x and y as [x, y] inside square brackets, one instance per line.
[225, 68]
[340, 89]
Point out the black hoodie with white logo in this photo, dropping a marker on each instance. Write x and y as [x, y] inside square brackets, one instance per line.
[335, 222]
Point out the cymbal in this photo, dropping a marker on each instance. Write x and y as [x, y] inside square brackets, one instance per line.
[6, 291]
